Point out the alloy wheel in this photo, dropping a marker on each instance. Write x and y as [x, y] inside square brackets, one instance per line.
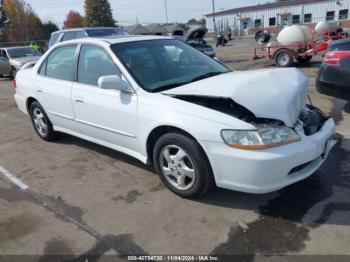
[40, 122]
[177, 167]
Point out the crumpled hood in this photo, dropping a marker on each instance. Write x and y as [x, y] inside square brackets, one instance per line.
[269, 93]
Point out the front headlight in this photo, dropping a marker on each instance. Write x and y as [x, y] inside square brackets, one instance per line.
[18, 65]
[262, 138]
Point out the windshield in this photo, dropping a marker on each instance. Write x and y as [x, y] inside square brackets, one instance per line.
[159, 65]
[23, 52]
[105, 32]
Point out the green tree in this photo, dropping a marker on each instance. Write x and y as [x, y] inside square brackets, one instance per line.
[48, 28]
[98, 13]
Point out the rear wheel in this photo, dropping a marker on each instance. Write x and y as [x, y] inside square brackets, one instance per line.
[182, 165]
[284, 58]
[41, 122]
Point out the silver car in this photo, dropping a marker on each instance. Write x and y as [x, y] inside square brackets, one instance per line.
[18, 56]
[5, 67]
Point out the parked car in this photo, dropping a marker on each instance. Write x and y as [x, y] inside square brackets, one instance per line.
[195, 39]
[5, 67]
[334, 74]
[201, 45]
[18, 56]
[76, 33]
[163, 102]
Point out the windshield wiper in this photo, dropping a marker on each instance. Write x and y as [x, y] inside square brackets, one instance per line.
[169, 86]
[207, 75]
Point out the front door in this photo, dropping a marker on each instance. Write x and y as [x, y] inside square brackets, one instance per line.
[106, 115]
[54, 86]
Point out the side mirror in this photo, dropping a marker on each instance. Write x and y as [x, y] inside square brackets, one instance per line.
[114, 82]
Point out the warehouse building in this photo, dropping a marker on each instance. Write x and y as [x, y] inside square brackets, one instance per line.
[271, 17]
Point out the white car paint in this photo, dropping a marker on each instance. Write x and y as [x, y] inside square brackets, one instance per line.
[124, 121]
[284, 90]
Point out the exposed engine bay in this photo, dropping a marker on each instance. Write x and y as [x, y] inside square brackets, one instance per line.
[221, 104]
[228, 106]
[311, 117]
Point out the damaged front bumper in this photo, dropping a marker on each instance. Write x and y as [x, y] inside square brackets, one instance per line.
[264, 171]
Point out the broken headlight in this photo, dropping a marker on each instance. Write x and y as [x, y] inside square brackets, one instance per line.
[262, 138]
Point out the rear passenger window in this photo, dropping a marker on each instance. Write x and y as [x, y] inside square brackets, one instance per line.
[60, 63]
[94, 63]
[80, 34]
[68, 36]
[53, 39]
[340, 46]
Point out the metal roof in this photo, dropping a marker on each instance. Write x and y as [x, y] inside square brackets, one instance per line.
[264, 6]
[137, 29]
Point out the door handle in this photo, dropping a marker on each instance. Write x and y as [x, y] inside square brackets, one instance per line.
[78, 100]
[39, 90]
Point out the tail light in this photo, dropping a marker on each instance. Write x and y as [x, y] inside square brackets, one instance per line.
[335, 57]
[14, 83]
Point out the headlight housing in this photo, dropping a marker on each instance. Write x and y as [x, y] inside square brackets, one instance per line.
[262, 138]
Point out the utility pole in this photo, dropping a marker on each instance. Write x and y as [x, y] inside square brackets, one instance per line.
[166, 12]
[214, 22]
[137, 20]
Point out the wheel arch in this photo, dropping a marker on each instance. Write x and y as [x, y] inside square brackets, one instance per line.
[292, 52]
[29, 101]
[162, 130]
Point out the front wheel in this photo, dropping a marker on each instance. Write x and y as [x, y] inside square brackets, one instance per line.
[13, 73]
[41, 122]
[182, 165]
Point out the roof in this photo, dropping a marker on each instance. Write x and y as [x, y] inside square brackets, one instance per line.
[137, 29]
[15, 47]
[174, 27]
[156, 28]
[264, 6]
[85, 28]
[113, 39]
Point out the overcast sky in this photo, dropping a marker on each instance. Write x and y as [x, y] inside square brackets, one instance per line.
[147, 11]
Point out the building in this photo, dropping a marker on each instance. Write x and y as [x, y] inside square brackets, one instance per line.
[271, 17]
[137, 30]
[157, 29]
[175, 29]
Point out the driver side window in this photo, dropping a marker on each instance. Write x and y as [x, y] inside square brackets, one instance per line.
[94, 62]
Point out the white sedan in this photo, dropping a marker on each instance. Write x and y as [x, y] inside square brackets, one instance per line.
[163, 102]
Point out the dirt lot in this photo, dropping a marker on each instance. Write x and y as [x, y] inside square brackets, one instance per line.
[84, 199]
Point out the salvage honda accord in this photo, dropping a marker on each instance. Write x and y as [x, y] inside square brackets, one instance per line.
[164, 102]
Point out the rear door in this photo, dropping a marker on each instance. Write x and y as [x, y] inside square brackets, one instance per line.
[106, 115]
[54, 85]
[4, 66]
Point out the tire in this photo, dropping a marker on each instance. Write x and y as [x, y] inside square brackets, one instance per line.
[283, 58]
[41, 123]
[190, 176]
[304, 60]
[13, 73]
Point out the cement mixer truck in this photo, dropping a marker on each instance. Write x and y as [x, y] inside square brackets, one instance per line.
[297, 43]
